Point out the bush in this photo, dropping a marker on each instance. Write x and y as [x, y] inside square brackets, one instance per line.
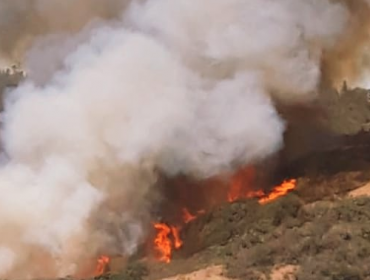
[327, 240]
[135, 271]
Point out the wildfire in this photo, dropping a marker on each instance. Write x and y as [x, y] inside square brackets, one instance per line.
[102, 265]
[236, 190]
[164, 243]
[249, 194]
[279, 191]
[168, 237]
[176, 237]
[240, 184]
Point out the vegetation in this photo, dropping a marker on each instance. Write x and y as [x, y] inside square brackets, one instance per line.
[135, 271]
[326, 240]
[324, 235]
[9, 78]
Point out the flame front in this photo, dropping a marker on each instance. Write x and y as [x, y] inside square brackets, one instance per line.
[168, 237]
[240, 188]
[176, 236]
[279, 191]
[162, 242]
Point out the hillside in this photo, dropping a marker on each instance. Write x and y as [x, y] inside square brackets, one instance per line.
[318, 231]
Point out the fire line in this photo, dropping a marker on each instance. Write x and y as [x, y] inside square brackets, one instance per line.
[279, 191]
[168, 237]
[162, 242]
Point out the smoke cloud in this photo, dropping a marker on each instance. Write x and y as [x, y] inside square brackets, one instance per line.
[348, 60]
[21, 22]
[126, 91]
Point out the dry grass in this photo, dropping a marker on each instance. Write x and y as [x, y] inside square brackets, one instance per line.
[328, 240]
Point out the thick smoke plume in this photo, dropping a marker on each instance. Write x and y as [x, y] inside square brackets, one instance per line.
[128, 90]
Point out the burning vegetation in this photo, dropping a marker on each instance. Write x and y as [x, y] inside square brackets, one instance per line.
[168, 237]
[102, 265]
[144, 142]
[249, 228]
[166, 240]
[307, 222]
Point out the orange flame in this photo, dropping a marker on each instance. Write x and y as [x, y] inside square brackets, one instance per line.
[176, 236]
[168, 237]
[242, 181]
[102, 265]
[240, 185]
[279, 191]
[162, 242]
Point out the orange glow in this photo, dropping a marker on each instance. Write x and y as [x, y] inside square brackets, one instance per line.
[234, 193]
[240, 186]
[201, 212]
[254, 194]
[187, 217]
[176, 237]
[162, 242]
[102, 265]
[279, 191]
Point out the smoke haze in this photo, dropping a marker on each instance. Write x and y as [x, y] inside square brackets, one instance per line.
[21, 22]
[118, 91]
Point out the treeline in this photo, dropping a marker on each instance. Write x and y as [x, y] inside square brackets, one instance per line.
[9, 77]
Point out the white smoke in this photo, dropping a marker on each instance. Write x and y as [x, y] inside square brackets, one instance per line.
[183, 86]
[7, 258]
